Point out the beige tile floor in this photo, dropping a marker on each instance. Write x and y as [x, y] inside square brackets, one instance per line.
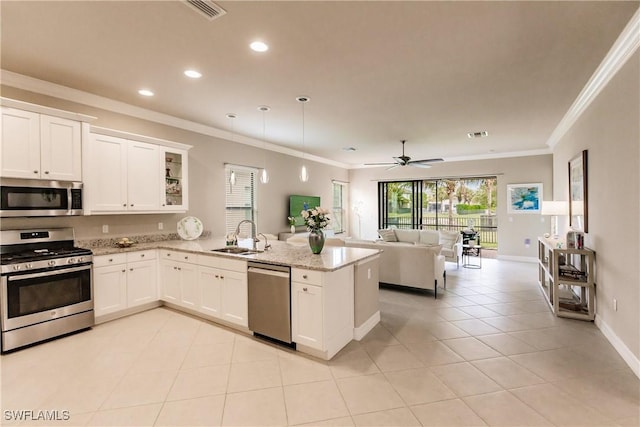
[487, 352]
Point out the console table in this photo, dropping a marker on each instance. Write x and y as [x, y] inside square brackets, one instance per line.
[567, 278]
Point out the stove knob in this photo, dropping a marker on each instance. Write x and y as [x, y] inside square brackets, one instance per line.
[71, 261]
[29, 266]
[52, 263]
[16, 267]
[80, 259]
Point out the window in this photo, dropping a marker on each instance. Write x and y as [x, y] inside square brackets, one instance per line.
[241, 197]
[340, 204]
[441, 204]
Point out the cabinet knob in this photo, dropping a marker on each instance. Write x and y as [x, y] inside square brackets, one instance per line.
[46, 172]
[124, 204]
[186, 257]
[305, 289]
[304, 276]
[163, 204]
[131, 204]
[35, 171]
[110, 259]
[222, 277]
[217, 277]
[175, 268]
[131, 269]
[141, 255]
[124, 271]
[168, 254]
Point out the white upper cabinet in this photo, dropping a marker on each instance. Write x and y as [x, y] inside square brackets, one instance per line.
[60, 149]
[173, 196]
[143, 176]
[127, 175]
[40, 146]
[107, 175]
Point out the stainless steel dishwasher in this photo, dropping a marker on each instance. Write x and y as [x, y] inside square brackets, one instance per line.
[270, 301]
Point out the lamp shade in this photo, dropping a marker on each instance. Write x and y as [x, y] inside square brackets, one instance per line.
[554, 207]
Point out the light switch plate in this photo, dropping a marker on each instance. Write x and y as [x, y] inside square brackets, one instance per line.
[105, 228]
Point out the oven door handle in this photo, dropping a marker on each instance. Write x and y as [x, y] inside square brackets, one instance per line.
[46, 273]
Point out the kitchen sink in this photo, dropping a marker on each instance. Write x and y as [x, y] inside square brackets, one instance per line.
[236, 250]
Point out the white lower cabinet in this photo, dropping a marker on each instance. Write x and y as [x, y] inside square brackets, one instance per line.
[222, 285]
[322, 310]
[179, 279]
[125, 280]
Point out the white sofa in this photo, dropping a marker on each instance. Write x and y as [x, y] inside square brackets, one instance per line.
[407, 264]
[451, 241]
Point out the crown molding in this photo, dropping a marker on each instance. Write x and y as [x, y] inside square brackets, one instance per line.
[625, 46]
[20, 81]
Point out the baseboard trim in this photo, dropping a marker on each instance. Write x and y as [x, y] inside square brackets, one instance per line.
[518, 258]
[361, 331]
[626, 354]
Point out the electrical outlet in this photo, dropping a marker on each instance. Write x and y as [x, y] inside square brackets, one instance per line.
[615, 304]
[160, 226]
[105, 228]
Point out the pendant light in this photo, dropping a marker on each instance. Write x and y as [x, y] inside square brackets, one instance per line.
[232, 175]
[304, 174]
[264, 175]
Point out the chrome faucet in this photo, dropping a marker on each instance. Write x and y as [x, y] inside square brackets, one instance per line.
[266, 242]
[253, 232]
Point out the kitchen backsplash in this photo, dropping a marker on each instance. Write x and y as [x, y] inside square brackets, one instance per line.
[142, 238]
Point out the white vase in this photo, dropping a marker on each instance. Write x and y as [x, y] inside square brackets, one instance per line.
[293, 229]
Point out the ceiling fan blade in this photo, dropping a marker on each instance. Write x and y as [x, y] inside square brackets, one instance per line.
[393, 167]
[419, 165]
[427, 161]
[380, 164]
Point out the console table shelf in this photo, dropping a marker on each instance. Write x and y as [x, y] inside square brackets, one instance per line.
[567, 278]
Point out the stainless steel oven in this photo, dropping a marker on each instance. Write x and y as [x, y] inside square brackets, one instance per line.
[29, 197]
[45, 286]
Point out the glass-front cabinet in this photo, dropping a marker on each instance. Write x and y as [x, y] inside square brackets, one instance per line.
[174, 190]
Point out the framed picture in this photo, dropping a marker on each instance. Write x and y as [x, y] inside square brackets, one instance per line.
[578, 218]
[524, 198]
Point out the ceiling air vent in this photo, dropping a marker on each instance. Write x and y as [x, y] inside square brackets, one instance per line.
[206, 8]
[480, 134]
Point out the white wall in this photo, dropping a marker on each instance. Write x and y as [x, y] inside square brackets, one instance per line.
[609, 129]
[206, 179]
[513, 230]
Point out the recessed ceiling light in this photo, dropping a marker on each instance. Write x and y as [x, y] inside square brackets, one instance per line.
[480, 134]
[193, 74]
[259, 46]
[264, 108]
[145, 92]
[231, 115]
[348, 149]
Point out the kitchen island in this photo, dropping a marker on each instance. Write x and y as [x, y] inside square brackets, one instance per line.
[334, 295]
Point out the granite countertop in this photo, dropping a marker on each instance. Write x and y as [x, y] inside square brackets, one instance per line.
[281, 253]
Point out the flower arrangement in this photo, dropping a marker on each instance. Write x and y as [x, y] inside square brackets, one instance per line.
[292, 220]
[316, 219]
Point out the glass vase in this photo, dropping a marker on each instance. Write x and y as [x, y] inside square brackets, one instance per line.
[316, 241]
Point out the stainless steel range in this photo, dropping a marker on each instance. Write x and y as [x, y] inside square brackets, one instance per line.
[46, 286]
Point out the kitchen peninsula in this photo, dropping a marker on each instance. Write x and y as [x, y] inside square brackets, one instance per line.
[334, 295]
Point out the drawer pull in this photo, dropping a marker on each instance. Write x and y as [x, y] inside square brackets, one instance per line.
[142, 256]
[110, 259]
[304, 276]
[124, 271]
[222, 277]
[186, 257]
[131, 269]
[305, 289]
[35, 171]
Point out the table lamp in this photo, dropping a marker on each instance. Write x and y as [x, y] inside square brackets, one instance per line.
[554, 208]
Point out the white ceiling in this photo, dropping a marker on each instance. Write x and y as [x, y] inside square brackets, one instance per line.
[376, 72]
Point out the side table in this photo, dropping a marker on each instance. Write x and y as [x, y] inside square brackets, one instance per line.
[470, 252]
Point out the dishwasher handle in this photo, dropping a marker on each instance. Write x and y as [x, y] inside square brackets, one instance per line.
[268, 272]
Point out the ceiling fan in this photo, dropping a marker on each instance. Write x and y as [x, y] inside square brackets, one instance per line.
[406, 161]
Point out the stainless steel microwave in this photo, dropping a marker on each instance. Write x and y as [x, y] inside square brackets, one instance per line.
[26, 197]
